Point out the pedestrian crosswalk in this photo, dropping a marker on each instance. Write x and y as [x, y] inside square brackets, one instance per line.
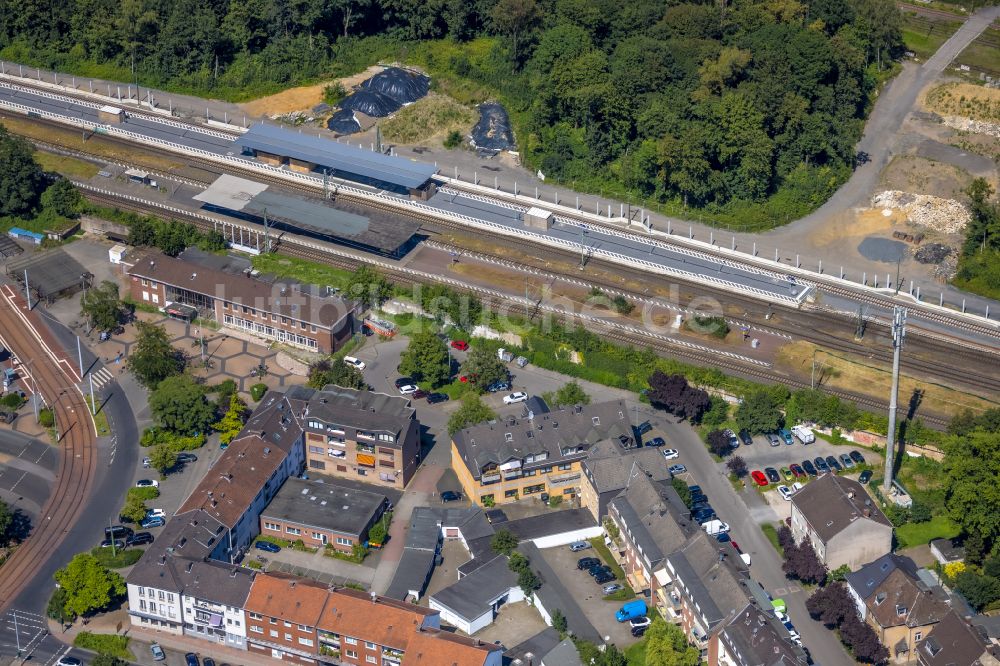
[102, 377]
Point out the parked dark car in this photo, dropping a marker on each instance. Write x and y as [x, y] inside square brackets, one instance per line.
[809, 467]
[722, 537]
[497, 387]
[821, 464]
[857, 457]
[191, 659]
[865, 477]
[639, 631]
[698, 497]
[450, 496]
[746, 438]
[694, 489]
[598, 570]
[656, 441]
[435, 398]
[773, 439]
[644, 427]
[186, 458]
[118, 543]
[703, 516]
[604, 577]
[833, 464]
[207, 661]
[267, 546]
[139, 539]
[117, 531]
[419, 394]
[403, 381]
[734, 441]
[772, 474]
[587, 562]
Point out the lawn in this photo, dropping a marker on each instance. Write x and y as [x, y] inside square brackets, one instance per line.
[70, 167]
[120, 559]
[116, 646]
[916, 534]
[636, 653]
[100, 419]
[924, 36]
[772, 535]
[605, 554]
[308, 272]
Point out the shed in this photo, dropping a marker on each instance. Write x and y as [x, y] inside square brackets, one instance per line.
[538, 218]
[381, 327]
[137, 176]
[17, 233]
[111, 114]
[117, 253]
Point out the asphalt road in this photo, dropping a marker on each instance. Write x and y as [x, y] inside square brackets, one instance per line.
[745, 512]
[27, 470]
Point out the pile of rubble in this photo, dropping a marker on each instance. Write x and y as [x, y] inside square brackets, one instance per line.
[969, 125]
[295, 118]
[932, 253]
[944, 215]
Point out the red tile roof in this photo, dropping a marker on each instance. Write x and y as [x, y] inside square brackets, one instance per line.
[297, 600]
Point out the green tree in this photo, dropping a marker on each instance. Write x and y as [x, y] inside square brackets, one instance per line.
[56, 608]
[153, 359]
[471, 412]
[570, 393]
[178, 404]
[483, 367]
[972, 467]
[21, 179]
[368, 286]
[380, 530]
[426, 358]
[503, 542]
[89, 586]
[62, 198]
[134, 509]
[232, 422]
[103, 307]
[107, 660]
[559, 622]
[513, 18]
[666, 645]
[528, 581]
[326, 371]
[759, 412]
[163, 458]
[6, 523]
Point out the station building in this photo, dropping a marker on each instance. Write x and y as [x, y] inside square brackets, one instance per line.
[291, 314]
[306, 153]
[278, 212]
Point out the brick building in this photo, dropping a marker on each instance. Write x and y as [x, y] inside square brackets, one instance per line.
[322, 514]
[291, 314]
[371, 437]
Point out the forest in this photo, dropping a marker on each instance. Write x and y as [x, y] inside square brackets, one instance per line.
[747, 110]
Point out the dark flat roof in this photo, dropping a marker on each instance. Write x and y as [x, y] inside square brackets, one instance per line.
[324, 506]
[547, 524]
[326, 153]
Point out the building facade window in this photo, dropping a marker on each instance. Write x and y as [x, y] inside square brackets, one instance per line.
[341, 541]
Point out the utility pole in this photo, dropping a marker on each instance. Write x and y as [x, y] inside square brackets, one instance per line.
[93, 403]
[267, 236]
[898, 333]
[859, 331]
[27, 288]
[79, 353]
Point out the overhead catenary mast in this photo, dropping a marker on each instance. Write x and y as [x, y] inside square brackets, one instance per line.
[898, 333]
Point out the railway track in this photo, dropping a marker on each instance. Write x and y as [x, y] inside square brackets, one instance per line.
[348, 261]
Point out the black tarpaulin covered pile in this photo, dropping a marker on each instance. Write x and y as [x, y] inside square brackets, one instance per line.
[343, 122]
[370, 103]
[493, 131]
[399, 84]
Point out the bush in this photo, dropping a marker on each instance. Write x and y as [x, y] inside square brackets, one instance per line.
[12, 401]
[119, 559]
[145, 494]
[111, 644]
[257, 391]
[453, 140]
[46, 418]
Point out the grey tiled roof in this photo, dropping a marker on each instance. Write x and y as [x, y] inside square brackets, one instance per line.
[755, 638]
[473, 595]
[832, 503]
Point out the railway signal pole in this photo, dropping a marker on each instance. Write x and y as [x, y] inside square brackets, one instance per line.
[898, 333]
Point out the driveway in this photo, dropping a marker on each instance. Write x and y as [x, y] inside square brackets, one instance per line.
[588, 595]
[744, 512]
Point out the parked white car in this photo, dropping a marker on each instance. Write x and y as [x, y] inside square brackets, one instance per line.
[804, 434]
[407, 389]
[514, 398]
[670, 454]
[147, 483]
[714, 527]
[355, 362]
[785, 492]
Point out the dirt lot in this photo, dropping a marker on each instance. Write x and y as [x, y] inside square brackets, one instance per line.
[910, 173]
[965, 99]
[302, 98]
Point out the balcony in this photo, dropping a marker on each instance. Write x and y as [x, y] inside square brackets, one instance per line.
[365, 448]
[512, 474]
[329, 640]
[562, 479]
[393, 657]
[489, 478]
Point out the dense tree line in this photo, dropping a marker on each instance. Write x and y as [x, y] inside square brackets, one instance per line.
[979, 267]
[700, 103]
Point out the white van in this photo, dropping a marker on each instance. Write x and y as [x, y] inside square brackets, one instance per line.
[804, 434]
[714, 527]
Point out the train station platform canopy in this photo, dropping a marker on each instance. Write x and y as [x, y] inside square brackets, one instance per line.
[341, 158]
[256, 201]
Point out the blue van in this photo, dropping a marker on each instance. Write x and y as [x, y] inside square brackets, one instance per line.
[631, 610]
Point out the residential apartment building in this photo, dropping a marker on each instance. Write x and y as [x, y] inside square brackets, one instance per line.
[515, 458]
[606, 472]
[754, 637]
[897, 604]
[956, 642]
[322, 514]
[290, 314]
[370, 437]
[844, 525]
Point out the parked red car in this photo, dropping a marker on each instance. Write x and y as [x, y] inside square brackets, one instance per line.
[460, 345]
[758, 477]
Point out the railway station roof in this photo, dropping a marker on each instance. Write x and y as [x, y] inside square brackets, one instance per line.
[340, 157]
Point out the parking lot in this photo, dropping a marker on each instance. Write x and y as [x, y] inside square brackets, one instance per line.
[587, 593]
